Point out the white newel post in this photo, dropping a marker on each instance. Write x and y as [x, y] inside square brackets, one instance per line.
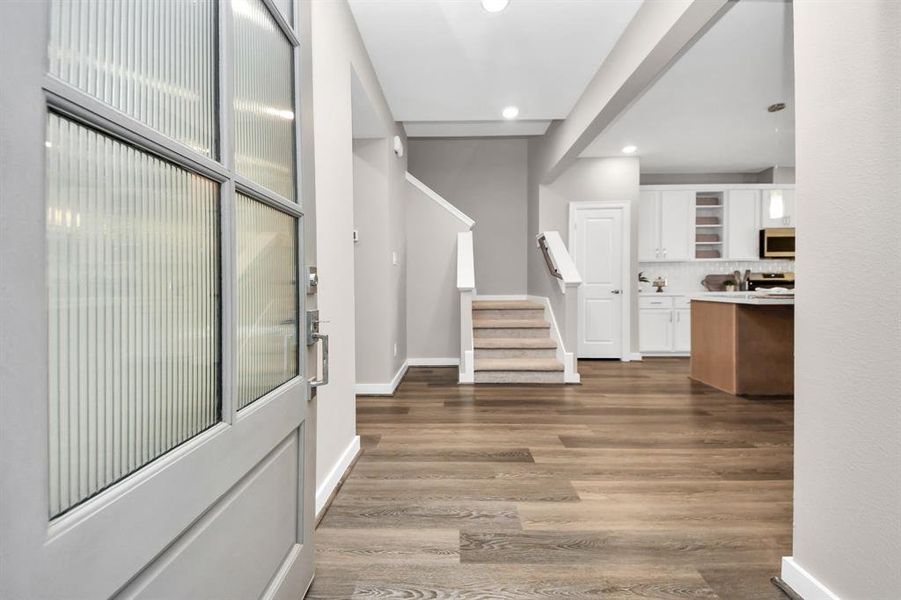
[466, 285]
[571, 330]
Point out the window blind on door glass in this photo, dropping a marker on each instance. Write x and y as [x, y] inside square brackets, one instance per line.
[133, 280]
[267, 302]
[264, 106]
[154, 61]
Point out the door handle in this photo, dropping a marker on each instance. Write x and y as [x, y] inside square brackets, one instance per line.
[315, 383]
[615, 291]
[313, 336]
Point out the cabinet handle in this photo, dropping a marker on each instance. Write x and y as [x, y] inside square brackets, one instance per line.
[657, 252]
[664, 253]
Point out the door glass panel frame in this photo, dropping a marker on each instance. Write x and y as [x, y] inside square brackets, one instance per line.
[38, 551]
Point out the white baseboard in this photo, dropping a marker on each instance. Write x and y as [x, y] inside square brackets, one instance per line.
[434, 362]
[501, 297]
[382, 389]
[331, 481]
[803, 583]
[636, 356]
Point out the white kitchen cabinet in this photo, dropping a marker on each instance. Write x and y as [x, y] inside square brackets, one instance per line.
[676, 224]
[648, 226]
[655, 329]
[665, 221]
[682, 330]
[789, 217]
[664, 324]
[742, 224]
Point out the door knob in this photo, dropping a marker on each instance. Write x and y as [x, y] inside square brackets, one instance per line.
[615, 291]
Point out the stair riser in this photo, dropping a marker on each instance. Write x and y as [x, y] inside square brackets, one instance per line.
[516, 332]
[519, 377]
[494, 313]
[515, 353]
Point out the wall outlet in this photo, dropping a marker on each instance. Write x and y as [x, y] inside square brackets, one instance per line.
[395, 348]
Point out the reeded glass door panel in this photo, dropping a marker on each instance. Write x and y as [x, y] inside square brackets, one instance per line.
[133, 263]
[264, 107]
[267, 299]
[153, 60]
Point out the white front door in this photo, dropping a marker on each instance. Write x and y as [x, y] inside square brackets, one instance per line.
[598, 252]
[156, 432]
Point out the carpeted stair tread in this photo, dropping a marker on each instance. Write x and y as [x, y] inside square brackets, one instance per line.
[506, 305]
[518, 364]
[514, 343]
[509, 323]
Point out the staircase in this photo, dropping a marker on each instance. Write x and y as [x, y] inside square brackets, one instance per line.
[513, 344]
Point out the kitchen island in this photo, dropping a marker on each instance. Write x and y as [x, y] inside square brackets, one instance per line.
[743, 343]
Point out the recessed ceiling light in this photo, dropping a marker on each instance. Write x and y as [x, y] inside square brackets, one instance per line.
[495, 6]
[630, 149]
[511, 112]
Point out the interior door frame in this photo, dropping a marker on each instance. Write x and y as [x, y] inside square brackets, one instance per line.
[98, 547]
[626, 220]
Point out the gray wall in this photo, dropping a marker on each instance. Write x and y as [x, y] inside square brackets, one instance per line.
[588, 179]
[433, 301]
[847, 529]
[770, 175]
[379, 285]
[698, 178]
[486, 179]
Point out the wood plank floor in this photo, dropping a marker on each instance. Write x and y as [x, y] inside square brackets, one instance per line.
[637, 484]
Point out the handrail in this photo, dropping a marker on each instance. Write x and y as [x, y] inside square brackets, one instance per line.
[466, 277]
[559, 262]
[456, 212]
[542, 243]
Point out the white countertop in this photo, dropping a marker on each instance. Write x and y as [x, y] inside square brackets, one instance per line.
[755, 298]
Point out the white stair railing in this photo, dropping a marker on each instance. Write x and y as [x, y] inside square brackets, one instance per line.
[466, 285]
[563, 307]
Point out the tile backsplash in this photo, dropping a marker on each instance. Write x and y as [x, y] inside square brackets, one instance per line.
[687, 276]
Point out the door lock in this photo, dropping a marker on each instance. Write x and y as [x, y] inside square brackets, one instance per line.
[615, 291]
[312, 280]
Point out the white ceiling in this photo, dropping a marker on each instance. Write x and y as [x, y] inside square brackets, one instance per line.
[448, 67]
[707, 113]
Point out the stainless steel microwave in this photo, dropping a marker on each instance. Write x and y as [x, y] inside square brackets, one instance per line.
[777, 242]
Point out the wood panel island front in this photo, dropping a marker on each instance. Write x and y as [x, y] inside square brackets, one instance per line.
[743, 343]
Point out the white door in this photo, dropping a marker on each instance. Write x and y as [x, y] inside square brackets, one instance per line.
[156, 436]
[676, 218]
[649, 226]
[743, 224]
[598, 244]
[682, 330]
[655, 328]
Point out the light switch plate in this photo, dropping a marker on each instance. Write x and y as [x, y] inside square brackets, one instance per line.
[394, 258]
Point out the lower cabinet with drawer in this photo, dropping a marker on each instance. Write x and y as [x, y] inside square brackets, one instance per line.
[664, 325]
